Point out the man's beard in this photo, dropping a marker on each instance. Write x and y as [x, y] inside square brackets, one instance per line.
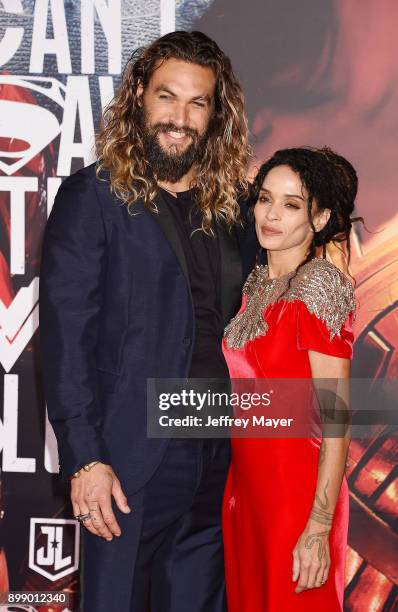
[170, 165]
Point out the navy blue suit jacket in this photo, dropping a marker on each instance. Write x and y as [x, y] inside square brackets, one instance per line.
[115, 309]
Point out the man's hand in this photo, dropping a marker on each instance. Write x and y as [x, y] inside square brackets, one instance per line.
[311, 557]
[92, 493]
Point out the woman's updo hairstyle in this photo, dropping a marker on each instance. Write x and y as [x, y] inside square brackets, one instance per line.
[329, 179]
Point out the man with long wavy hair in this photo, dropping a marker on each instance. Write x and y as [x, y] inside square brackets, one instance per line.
[140, 274]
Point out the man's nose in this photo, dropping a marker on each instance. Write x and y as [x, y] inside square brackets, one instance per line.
[180, 114]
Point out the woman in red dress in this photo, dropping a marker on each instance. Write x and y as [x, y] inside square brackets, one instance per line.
[285, 512]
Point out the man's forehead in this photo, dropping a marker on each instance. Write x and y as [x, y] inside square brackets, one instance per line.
[180, 74]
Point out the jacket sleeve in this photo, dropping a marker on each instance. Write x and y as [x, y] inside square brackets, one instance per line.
[71, 284]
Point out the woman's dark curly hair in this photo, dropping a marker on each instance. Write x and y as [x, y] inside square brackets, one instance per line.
[330, 180]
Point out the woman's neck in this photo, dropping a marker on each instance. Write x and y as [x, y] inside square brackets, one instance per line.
[284, 262]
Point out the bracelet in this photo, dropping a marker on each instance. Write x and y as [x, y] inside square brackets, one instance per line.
[87, 467]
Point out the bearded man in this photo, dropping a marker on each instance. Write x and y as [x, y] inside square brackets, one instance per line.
[129, 291]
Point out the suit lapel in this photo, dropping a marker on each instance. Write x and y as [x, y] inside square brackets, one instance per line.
[168, 227]
[231, 272]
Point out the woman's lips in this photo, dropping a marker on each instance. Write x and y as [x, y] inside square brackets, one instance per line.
[269, 231]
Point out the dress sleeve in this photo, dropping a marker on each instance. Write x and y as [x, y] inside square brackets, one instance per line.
[325, 310]
[314, 335]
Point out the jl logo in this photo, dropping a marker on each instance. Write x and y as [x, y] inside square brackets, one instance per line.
[54, 547]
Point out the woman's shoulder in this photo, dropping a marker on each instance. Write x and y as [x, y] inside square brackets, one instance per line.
[326, 292]
[323, 274]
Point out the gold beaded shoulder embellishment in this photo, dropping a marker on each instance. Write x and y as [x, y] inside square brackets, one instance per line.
[324, 289]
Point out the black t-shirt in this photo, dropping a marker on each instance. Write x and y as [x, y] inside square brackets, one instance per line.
[203, 261]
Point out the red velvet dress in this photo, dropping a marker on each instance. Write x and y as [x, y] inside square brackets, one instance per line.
[272, 481]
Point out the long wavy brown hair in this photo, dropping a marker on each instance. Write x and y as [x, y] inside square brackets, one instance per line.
[221, 173]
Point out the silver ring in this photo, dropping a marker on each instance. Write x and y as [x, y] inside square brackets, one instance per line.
[82, 518]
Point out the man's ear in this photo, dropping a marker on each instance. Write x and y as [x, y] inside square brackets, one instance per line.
[321, 218]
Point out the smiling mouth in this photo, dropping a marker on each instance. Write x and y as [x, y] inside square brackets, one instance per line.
[176, 136]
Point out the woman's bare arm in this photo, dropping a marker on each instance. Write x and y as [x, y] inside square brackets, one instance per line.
[311, 555]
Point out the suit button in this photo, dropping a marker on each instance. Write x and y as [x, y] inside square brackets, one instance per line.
[186, 341]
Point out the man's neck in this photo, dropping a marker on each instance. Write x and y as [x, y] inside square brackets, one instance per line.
[185, 183]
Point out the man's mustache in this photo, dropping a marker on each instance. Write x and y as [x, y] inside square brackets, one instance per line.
[159, 128]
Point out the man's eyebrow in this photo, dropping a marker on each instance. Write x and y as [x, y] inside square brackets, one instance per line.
[204, 97]
[165, 88]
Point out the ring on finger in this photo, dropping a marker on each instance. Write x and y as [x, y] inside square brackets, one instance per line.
[82, 518]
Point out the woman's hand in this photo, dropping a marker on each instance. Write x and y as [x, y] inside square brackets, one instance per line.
[311, 557]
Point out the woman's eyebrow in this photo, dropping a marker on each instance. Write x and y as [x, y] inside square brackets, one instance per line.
[292, 195]
[286, 195]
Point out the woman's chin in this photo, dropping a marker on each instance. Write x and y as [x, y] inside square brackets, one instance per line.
[270, 244]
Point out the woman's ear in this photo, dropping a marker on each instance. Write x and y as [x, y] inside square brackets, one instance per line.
[321, 218]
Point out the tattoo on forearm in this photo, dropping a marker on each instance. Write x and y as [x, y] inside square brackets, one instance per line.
[316, 538]
[323, 504]
[321, 516]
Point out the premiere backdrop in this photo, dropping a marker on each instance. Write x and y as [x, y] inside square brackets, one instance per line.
[314, 72]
